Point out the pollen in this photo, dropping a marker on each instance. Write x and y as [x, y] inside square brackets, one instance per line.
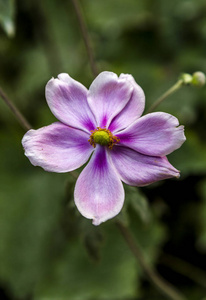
[103, 137]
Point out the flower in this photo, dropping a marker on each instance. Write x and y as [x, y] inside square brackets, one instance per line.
[105, 122]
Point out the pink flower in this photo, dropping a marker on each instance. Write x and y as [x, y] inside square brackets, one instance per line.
[104, 121]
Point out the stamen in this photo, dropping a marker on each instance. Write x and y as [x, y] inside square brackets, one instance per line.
[103, 137]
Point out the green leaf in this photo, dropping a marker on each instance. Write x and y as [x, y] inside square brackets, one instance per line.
[137, 201]
[7, 10]
[76, 277]
[30, 208]
[191, 157]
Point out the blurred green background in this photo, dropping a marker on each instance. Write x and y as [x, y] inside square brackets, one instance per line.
[47, 250]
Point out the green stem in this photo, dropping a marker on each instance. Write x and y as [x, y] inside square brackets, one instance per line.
[161, 284]
[85, 35]
[169, 92]
[22, 120]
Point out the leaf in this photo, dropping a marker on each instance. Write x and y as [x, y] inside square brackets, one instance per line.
[76, 277]
[191, 157]
[137, 201]
[30, 208]
[7, 10]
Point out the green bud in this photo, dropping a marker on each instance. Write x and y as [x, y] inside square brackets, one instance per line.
[186, 78]
[198, 79]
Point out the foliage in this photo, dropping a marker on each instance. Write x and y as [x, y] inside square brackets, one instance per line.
[7, 9]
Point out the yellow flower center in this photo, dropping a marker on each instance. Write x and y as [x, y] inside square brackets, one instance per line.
[103, 137]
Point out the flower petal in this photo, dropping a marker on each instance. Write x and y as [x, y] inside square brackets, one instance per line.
[154, 134]
[57, 147]
[139, 169]
[99, 193]
[107, 96]
[67, 99]
[132, 110]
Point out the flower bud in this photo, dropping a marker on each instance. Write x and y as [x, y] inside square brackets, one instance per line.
[198, 79]
[186, 78]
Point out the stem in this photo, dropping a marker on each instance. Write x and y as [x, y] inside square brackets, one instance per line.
[22, 120]
[85, 35]
[164, 287]
[169, 92]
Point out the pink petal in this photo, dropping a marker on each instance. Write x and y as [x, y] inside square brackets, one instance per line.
[155, 134]
[107, 96]
[99, 193]
[67, 99]
[57, 147]
[132, 110]
[138, 169]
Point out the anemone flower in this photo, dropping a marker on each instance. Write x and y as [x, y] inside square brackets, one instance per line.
[104, 125]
